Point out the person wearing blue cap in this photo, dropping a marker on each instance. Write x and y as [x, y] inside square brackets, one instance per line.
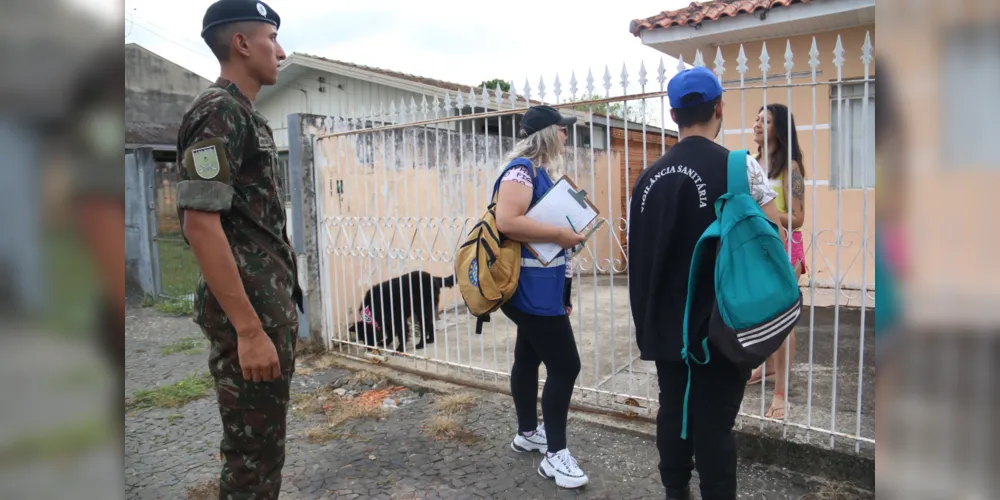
[229, 205]
[672, 204]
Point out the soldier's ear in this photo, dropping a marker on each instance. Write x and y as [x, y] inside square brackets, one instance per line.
[241, 43]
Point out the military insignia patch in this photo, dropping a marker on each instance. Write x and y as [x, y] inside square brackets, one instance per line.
[206, 162]
[262, 9]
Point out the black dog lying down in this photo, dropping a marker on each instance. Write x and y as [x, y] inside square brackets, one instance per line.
[387, 307]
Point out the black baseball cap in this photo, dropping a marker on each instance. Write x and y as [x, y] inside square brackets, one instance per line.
[539, 117]
[234, 11]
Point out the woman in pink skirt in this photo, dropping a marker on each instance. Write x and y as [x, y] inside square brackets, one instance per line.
[783, 163]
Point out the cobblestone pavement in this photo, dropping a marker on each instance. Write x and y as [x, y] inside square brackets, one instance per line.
[172, 453]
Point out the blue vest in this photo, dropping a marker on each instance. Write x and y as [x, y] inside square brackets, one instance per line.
[539, 289]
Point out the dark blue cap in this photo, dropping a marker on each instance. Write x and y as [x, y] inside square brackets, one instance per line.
[235, 11]
[539, 117]
[700, 81]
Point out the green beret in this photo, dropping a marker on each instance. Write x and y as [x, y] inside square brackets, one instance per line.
[236, 11]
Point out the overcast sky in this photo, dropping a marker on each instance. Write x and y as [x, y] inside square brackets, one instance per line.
[459, 41]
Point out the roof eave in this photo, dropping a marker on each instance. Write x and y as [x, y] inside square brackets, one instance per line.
[363, 75]
[797, 19]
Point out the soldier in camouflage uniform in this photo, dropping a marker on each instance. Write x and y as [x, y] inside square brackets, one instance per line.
[231, 209]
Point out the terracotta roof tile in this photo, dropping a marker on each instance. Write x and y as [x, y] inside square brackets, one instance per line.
[701, 12]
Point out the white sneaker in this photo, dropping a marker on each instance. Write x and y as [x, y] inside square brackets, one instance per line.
[535, 442]
[562, 467]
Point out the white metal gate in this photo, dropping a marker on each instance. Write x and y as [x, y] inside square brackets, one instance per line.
[399, 187]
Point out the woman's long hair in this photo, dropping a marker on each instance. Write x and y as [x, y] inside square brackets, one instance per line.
[543, 148]
[778, 162]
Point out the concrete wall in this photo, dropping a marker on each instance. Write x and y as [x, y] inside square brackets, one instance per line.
[157, 90]
[141, 259]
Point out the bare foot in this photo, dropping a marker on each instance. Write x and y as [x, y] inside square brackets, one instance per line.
[777, 409]
[755, 376]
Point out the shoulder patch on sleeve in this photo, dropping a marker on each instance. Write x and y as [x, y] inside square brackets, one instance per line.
[207, 160]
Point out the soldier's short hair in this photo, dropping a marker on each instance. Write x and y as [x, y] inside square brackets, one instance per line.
[219, 37]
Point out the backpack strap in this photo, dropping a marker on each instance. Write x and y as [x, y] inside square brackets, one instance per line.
[736, 172]
[479, 322]
[736, 183]
[516, 162]
[707, 240]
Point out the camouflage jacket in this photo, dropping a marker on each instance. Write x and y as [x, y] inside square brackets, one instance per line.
[229, 164]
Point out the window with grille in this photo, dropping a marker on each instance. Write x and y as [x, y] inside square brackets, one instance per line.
[852, 136]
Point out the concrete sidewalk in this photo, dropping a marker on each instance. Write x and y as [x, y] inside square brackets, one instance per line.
[417, 444]
[829, 352]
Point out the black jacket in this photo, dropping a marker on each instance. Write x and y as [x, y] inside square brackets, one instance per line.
[673, 202]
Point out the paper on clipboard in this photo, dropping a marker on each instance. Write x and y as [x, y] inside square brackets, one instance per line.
[564, 205]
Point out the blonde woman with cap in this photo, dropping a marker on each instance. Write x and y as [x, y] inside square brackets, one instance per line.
[544, 334]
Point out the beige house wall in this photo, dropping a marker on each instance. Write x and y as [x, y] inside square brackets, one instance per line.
[417, 211]
[953, 277]
[826, 208]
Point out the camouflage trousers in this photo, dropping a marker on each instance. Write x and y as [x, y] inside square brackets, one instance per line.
[253, 417]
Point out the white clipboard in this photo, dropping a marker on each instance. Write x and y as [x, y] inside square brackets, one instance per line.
[564, 205]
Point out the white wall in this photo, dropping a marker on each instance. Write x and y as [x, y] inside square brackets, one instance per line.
[341, 96]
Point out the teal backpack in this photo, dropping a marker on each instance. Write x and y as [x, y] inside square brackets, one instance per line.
[758, 300]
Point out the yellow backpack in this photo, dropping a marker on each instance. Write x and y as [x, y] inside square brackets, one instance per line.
[485, 288]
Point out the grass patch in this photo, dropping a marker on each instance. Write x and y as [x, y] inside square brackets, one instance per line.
[321, 434]
[836, 491]
[186, 345]
[70, 440]
[179, 271]
[442, 425]
[176, 395]
[175, 307]
[311, 403]
[455, 403]
[337, 411]
[205, 490]
[338, 415]
[346, 413]
[324, 362]
[363, 376]
[448, 427]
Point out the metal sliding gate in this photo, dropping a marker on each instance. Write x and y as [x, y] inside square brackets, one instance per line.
[399, 187]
